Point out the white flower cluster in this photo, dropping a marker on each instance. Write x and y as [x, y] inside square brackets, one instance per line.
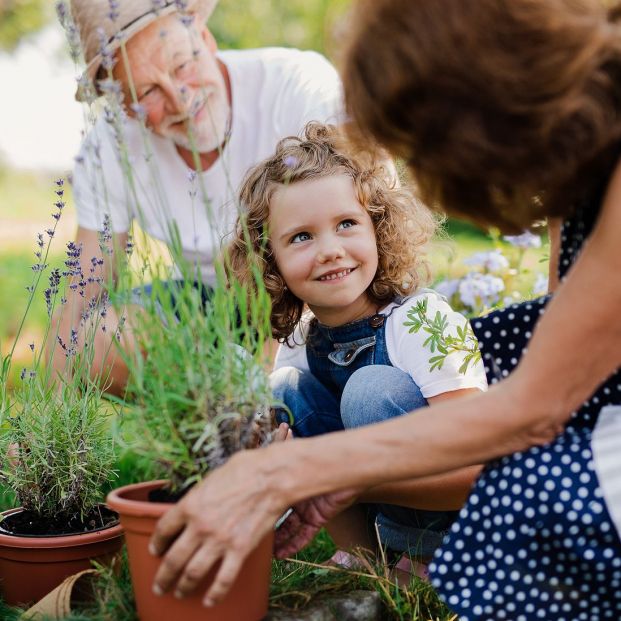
[480, 290]
[492, 261]
[448, 287]
[525, 240]
[494, 279]
[540, 287]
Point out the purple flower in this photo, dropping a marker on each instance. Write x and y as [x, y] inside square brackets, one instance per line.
[290, 161]
[138, 110]
[61, 11]
[74, 250]
[107, 58]
[186, 19]
[113, 14]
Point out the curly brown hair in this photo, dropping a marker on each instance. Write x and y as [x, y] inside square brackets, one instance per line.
[402, 225]
[505, 112]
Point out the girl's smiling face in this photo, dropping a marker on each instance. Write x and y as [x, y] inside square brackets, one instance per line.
[324, 245]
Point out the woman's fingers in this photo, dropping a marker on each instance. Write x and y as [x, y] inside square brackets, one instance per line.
[197, 568]
[168, 529]
[225, 577]
[174, 562]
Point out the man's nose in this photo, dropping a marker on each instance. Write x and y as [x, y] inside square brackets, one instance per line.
[177, 96]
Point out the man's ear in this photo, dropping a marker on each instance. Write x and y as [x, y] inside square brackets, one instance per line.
[209, 40]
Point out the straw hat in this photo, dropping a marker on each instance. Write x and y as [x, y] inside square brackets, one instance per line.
[93, 17]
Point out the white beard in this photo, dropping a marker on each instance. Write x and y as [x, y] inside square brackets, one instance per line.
[204, 136]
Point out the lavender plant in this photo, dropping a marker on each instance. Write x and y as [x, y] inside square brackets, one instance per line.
[198, 387]
[55, 443]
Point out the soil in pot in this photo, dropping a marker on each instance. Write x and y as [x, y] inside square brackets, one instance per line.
[31, 565]
[248, 598]
[30, 524]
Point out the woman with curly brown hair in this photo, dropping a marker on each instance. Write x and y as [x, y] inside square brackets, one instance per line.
[331, 231]
[506, 112]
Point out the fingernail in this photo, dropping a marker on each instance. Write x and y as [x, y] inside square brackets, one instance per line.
[157, 590]
[208, 602]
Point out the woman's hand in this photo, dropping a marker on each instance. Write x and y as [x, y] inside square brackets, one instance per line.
[224, 517]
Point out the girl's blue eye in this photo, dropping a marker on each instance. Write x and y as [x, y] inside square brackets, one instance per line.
[300, 237]
[346, 224]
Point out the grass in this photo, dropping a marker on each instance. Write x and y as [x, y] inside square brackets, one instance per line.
[295, 583]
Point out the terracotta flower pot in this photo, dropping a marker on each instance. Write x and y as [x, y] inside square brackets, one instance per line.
[30, 567]
[247, 599]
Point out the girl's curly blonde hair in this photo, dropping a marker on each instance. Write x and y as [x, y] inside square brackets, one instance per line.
[402, 225]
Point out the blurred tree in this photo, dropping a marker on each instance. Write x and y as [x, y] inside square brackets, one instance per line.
[306, 24]
[19, 18]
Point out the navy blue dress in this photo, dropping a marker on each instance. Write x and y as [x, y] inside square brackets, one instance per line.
[535, 540]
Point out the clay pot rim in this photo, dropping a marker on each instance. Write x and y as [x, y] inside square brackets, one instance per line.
[118, 502]
[111, 531]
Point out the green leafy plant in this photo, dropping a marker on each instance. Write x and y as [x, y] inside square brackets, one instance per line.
[439, 341]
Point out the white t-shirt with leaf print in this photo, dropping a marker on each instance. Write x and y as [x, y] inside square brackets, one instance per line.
[406, 348]
[275, 92]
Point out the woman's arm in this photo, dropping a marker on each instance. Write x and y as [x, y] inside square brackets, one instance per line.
[577, 344]
[441, 492]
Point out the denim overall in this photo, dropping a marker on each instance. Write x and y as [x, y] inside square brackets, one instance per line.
[353, 383]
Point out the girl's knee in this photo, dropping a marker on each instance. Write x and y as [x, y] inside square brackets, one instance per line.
[376, 393]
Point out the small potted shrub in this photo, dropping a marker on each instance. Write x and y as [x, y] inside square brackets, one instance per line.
[197, 395]
[56, 453]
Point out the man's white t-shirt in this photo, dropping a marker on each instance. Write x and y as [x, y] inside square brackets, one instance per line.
[406, 350]
[275, 92]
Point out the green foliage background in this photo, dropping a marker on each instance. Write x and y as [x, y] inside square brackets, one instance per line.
[306, 24]
[19, 18]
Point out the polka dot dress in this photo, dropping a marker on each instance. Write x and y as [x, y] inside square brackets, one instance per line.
[535, 540]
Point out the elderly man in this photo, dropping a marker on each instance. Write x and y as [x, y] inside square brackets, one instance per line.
[196, 119]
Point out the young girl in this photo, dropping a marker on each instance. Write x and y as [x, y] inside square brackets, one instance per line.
[344, 240]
